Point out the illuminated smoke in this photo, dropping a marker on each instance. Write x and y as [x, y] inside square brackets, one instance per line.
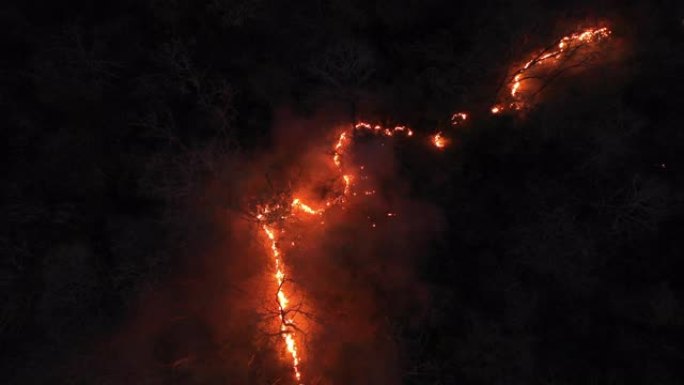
[275, 217]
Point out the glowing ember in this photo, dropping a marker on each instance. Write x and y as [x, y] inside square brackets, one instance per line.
[378, 129]
[458, 118]
[439, 141]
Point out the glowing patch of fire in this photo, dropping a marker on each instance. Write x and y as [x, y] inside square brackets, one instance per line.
[439, 141]
[286, 324]
[565, 47]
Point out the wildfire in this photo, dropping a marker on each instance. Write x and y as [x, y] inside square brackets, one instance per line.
[566, 47]
[297, 204]
[378, 129]
[273, 218]
[287, 325]
[339, 147]
[343, 141]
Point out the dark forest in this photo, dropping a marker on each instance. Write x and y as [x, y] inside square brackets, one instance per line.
[150, 146]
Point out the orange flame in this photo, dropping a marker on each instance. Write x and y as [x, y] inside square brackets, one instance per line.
[297, 203]
[287, 328]
[565, 47]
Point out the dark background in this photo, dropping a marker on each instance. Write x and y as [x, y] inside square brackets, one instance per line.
[561, 256]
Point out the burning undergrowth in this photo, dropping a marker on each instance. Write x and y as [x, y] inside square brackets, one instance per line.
[303, 255]
[339, 272]
[296, 269]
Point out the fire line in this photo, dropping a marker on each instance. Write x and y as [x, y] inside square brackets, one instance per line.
[273, 218]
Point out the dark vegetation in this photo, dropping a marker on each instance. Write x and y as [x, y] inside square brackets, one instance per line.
[561, 257]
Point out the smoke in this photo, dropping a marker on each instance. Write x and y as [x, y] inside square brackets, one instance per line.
[359, 274]
[350, 273]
